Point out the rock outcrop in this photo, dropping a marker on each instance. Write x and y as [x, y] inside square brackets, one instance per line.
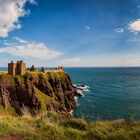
[36, 92]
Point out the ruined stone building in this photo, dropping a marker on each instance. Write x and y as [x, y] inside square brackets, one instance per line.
[18, 68]
[42, 69]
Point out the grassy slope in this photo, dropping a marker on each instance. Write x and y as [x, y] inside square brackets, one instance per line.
[44, 99]
[53, 127]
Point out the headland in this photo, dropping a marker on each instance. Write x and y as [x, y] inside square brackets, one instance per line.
[27, 90]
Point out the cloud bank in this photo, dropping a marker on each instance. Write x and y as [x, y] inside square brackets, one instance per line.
[135, 26]
[112, 60]
[70, 61]
[31, 50]
[20, 40]
[10, 11]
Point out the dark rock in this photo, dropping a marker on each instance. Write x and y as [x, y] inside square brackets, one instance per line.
[36, 92]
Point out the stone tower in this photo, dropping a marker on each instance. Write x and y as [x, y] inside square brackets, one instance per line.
[18, 68]
[12, 68]
[42, 69]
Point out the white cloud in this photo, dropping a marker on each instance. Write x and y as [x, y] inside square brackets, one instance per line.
[7, 44]
[135, 26]
[88, 27]
[134, 39]
[10, 11]
[70, 61]
[112, 60]
[20, 40]
[32, 1]
[31, 50]
[119, 30]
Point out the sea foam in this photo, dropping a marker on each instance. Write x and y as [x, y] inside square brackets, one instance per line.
[81, 89]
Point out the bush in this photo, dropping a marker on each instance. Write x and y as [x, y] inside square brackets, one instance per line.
[79, 124]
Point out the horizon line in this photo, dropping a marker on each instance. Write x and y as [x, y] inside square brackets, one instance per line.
[84, 67]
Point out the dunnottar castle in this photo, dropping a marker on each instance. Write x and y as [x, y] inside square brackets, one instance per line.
[19, 68]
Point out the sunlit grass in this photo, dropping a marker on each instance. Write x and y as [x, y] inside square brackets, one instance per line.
[51, 126]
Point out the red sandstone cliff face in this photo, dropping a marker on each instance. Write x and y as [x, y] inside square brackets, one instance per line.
[37, 92]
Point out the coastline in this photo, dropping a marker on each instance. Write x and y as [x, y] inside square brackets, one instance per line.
[3, 71]
[40, 92]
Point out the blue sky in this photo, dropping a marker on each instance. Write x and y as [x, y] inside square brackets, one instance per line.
[70, 32]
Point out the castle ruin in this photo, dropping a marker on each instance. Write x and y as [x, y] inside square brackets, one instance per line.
[18, 68]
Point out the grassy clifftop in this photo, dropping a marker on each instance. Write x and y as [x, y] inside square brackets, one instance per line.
[52, 126]
[36, 106]
[37, 92]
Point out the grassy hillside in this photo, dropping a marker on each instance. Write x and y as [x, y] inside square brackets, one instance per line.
[37, 92]
[51, 126]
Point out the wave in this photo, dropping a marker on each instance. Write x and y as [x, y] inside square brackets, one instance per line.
[81, 89]
[71, 112]
[76, 100]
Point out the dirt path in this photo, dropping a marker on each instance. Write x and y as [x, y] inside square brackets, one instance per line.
[13, 137]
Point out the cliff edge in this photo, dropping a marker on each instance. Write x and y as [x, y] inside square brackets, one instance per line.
[37, 92]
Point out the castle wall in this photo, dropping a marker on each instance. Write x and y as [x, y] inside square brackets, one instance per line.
[21, 68]
[12, 68]
[18, 68]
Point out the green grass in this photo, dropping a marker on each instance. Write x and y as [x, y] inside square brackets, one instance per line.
[44, 99]
[8, 111]
[51, 126]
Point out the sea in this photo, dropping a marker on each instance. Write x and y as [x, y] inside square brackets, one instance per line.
[109, 93]
[112, 93]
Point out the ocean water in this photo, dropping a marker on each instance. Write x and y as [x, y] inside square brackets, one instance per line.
[111, 93]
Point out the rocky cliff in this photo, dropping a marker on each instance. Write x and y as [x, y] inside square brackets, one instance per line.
[36, 92]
